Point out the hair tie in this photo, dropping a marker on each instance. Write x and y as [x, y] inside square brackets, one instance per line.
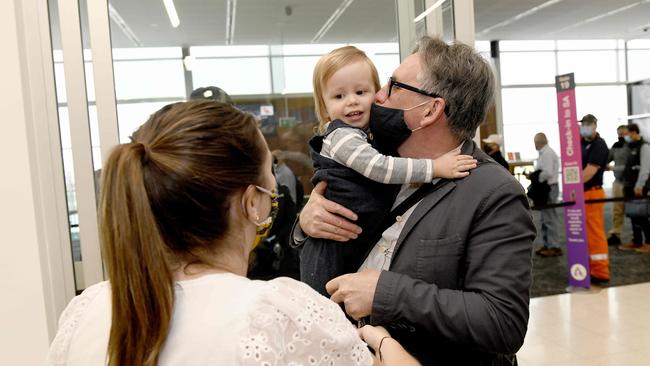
[146, 152]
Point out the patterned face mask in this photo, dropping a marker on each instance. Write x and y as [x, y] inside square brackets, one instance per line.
[264, 227]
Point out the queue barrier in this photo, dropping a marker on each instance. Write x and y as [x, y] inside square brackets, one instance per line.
[588, 202]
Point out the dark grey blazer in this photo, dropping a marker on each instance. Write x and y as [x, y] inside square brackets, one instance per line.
[457, 291]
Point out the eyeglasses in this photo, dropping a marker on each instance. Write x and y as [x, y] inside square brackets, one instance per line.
[392, 81]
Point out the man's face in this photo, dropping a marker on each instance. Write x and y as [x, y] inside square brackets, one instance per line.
[591, 127]
[400, 98]
[622, 132]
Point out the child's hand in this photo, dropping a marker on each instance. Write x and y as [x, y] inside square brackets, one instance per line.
[453, 165]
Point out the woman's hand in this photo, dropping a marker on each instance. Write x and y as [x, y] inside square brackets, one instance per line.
[372, 335]
[389, 352]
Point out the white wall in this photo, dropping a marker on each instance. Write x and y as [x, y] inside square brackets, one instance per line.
[23, 324]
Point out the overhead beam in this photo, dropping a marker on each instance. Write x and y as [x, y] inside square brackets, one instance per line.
[331, 20]
[517, 17]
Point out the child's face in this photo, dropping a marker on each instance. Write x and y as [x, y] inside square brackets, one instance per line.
[349, 93]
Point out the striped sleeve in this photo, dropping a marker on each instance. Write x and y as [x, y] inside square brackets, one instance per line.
[349, 147]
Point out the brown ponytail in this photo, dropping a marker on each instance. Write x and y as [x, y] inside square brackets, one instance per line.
[164, 198]
[135, 259]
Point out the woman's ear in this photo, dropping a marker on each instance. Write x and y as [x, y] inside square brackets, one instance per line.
[249, 204]
[433, 112]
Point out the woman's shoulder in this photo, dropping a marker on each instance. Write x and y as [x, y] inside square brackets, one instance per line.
[70, 319]
[80, 304]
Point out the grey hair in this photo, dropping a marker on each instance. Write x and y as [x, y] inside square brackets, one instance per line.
[541, 138]
[462, 78]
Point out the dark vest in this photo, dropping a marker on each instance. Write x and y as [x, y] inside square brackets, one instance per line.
[633, 163]
[370, 200]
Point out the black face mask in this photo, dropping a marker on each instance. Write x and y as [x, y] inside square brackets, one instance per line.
[388, 128]
[621, 139]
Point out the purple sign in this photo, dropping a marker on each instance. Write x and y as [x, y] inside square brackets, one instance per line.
[572, 188]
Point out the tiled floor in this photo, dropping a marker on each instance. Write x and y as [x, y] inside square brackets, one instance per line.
[597, 327]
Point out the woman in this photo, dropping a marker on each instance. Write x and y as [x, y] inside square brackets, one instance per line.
[182, 206]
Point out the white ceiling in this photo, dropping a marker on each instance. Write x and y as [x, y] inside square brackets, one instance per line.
[203, 22]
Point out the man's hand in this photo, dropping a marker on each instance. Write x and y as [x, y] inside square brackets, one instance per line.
[321, 218]
[356, 291]
[638, 191]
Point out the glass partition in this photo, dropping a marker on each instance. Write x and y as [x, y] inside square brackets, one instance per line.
[261, 54]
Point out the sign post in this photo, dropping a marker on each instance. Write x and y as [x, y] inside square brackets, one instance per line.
[572, 187]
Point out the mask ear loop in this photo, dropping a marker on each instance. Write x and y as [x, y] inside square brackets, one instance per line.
[419, 105]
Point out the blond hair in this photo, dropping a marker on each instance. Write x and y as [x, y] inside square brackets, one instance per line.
[327, 66]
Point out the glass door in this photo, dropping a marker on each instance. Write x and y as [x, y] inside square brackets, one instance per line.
[118, 61]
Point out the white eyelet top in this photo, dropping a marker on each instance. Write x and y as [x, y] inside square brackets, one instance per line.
[223, 319]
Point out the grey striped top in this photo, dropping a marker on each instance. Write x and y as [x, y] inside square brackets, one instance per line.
[350, 147]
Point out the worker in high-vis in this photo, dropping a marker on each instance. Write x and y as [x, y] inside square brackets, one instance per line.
[594, 162]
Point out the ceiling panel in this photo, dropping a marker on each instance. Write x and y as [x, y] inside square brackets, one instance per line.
[203, 22]
[563, 20]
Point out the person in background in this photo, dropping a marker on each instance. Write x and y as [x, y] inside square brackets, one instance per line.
[548, 164]
[285, 176]
[635, 177]
[274, 257]
[594, 163]
[182, 206]
[493, 148]
[618, 153]
[211, 93]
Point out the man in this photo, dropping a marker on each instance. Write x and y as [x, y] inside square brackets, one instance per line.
[594, 162]
[548, 166]
[493, 148]
[635, 177]
[285, 176]
[450, 277]
[618, 153]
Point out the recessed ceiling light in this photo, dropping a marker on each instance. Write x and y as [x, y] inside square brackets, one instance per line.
[171, 13]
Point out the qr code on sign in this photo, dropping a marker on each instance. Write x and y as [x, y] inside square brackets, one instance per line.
[571, 175]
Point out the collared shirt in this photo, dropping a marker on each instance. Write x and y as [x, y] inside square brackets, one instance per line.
[381, 255]
[594, 152]
[549, 164]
